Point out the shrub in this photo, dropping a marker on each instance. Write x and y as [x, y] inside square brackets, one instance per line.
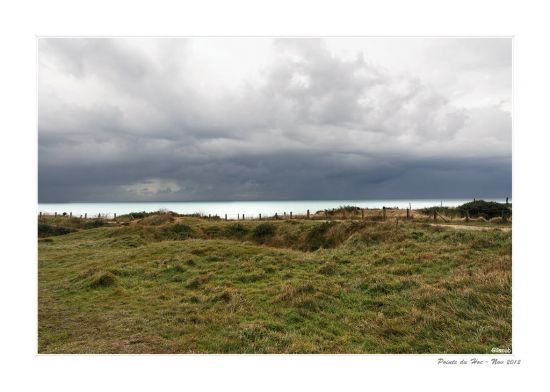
[342, 209]
[317, 237]
[46, 230]
[236, 230]
[263, 230]
[485, 209]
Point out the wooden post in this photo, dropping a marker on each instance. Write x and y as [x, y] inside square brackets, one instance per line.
[290, 214]
[307, 214]
[276, 217]
[408, 214]
[115, 215]
[225, 216]
[243, 216]
[384, 213]
[284, 215]
[55, 214]
[435, 215]
[260, 216]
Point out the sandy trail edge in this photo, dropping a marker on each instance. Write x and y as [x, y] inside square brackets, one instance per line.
[475, 228]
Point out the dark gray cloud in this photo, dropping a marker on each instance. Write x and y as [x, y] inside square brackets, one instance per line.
[149, 119]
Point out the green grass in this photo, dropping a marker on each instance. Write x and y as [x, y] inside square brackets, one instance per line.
[190, 285]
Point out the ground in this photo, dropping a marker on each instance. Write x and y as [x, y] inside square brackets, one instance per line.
[189, 285]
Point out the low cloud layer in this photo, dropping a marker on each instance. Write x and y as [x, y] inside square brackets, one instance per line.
[257, 118]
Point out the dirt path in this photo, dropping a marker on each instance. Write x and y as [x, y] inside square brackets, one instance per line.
[475, 228]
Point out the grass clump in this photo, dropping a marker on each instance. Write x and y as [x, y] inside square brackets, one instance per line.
[103, 279]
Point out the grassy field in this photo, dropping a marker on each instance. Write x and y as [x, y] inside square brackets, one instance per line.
[165, 284]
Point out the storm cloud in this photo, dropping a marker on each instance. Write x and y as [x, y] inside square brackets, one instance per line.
[167, 119]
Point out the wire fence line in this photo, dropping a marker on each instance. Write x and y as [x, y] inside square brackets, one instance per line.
[383, 213]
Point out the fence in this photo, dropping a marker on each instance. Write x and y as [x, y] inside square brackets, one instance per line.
[372, 214]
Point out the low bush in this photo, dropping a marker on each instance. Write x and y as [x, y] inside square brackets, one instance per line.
[47, 230]
[264, 230]
[236, 230]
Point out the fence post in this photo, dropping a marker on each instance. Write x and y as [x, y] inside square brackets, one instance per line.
[284, 215]
[408, 214]
[260, 216]
[115, 215]
[384, 213]
[243, 216]
[290, 214]
[225, 216]
[307, 214]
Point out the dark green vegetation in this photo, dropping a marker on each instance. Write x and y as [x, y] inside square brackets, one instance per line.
[479, 208]
[167, 284]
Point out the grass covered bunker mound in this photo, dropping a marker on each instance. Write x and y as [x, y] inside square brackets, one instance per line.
[191, 285]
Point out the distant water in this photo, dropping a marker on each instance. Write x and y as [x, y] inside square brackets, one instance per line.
[249, 208]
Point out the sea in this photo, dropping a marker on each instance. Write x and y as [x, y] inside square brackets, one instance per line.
[250, 209]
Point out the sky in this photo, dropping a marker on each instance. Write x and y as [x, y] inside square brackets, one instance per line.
[182, 119]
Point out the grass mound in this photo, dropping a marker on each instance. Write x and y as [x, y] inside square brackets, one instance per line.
[203, 286]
